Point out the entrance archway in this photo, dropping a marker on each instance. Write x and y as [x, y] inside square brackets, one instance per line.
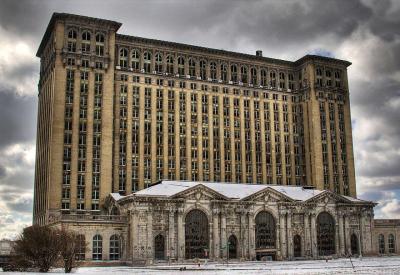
[196, 235]
[265, 235]
[159, 247]
[325, 234]
[232, 249]
[354, 244]
[297, 246]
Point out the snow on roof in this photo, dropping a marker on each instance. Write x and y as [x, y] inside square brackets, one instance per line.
[116, 196]
[229, 190]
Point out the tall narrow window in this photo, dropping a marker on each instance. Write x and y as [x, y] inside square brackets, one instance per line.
[391, 244]
[253, 75]
[181, 66]
[159, 66]
[234, 77]
[243, 73]
[100, 44]
[115, 248]
[147, 62]
[170, 64]
[224, 72]
[85, 42]
[213, 70]
[203, 72]
[192, 67]
[135, 60]
[381, 243]
[263, 78]
[97, 250]
[123, 58]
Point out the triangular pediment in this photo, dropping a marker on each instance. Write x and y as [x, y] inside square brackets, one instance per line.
[200, 192]
[268, 195]
[327, 197]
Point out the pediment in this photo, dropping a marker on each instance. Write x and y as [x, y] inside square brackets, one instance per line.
[199, 192]
[327, 197]
[267, 195]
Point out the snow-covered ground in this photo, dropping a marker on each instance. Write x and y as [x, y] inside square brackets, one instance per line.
[381, 265]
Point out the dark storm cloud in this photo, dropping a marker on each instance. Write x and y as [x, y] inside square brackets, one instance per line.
[17, 118]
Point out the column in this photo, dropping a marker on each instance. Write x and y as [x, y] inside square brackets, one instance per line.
[252, 251]
[361, 235]
[314, 236]
[337, 238]
[289, 236]
[181, 237]
[347, 234]
[134, 233]
[341, 235]
[307, 240]
[216, 233]
[171, 233]
[242, 235]
[150, 236]
[223, 234]
[282, 223]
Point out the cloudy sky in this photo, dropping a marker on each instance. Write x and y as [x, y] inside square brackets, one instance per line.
[367, 33]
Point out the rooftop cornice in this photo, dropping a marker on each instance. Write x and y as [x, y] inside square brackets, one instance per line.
[72, 17]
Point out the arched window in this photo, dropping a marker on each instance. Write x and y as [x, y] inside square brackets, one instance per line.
[72, 34]
[115, 248]
[328, 75]
[159, 60]
[224, 72]
[181, 66]
[391, 244]
[272, 79]
[123, 58]
[325, 234]
[265, 230]
[203, 71]
[291, 81]
[264, 78]
[243, 73]
[282, 79]
[135, 60]
[234, 77]
[213, 70]
[170, 64]
[381, 243]
[192, 67]
[253, 75]
[85, 45]
[232, 247]
[71, 43]
[80, 248]
[147, 62]
[159, 247]
[196, 235]
[100, 44]
[97, 249]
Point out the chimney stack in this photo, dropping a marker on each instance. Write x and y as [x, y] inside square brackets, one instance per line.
[259, 53]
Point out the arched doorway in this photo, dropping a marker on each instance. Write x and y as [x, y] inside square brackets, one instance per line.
[354, 244]
[325, 234]
[232, 249]
[265, 235]
[159, 247]
[297, 246]
[196, 235]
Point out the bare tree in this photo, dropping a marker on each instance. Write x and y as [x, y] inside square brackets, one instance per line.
[39, 246]
[70, 244]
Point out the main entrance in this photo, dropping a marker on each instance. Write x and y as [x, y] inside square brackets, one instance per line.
[265, 236]
[297, 246]
[354, 244]
[196, 235]
[325, 234]
[232, 242]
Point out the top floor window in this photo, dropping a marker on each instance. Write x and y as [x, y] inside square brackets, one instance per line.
[263, 77]
[85, 42]
[159, 66]
[147, 62]
[243, 72]
[123, 58]
[135, 60]
[71, 43]
[253, 74]
[192, 67]
[234, 77]
[224, 72]
[282, 79]
[72, 34]
[170, 64]
[181, 65]
[100, 44]
[100, 38]
[272, 79]
[213, 70]
[203, 69]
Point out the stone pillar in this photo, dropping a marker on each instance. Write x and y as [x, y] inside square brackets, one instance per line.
[243, 239]
[252, 242]
[289, 236]
[314, 236]
[341, 235]
[361, 235]
[181, 235]
[347, 234]
[134, 235]
[282, 223]
[216, 241]
[150, 240]
[337, 238]
[223, 234]
[307, 237]
[171, 235]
